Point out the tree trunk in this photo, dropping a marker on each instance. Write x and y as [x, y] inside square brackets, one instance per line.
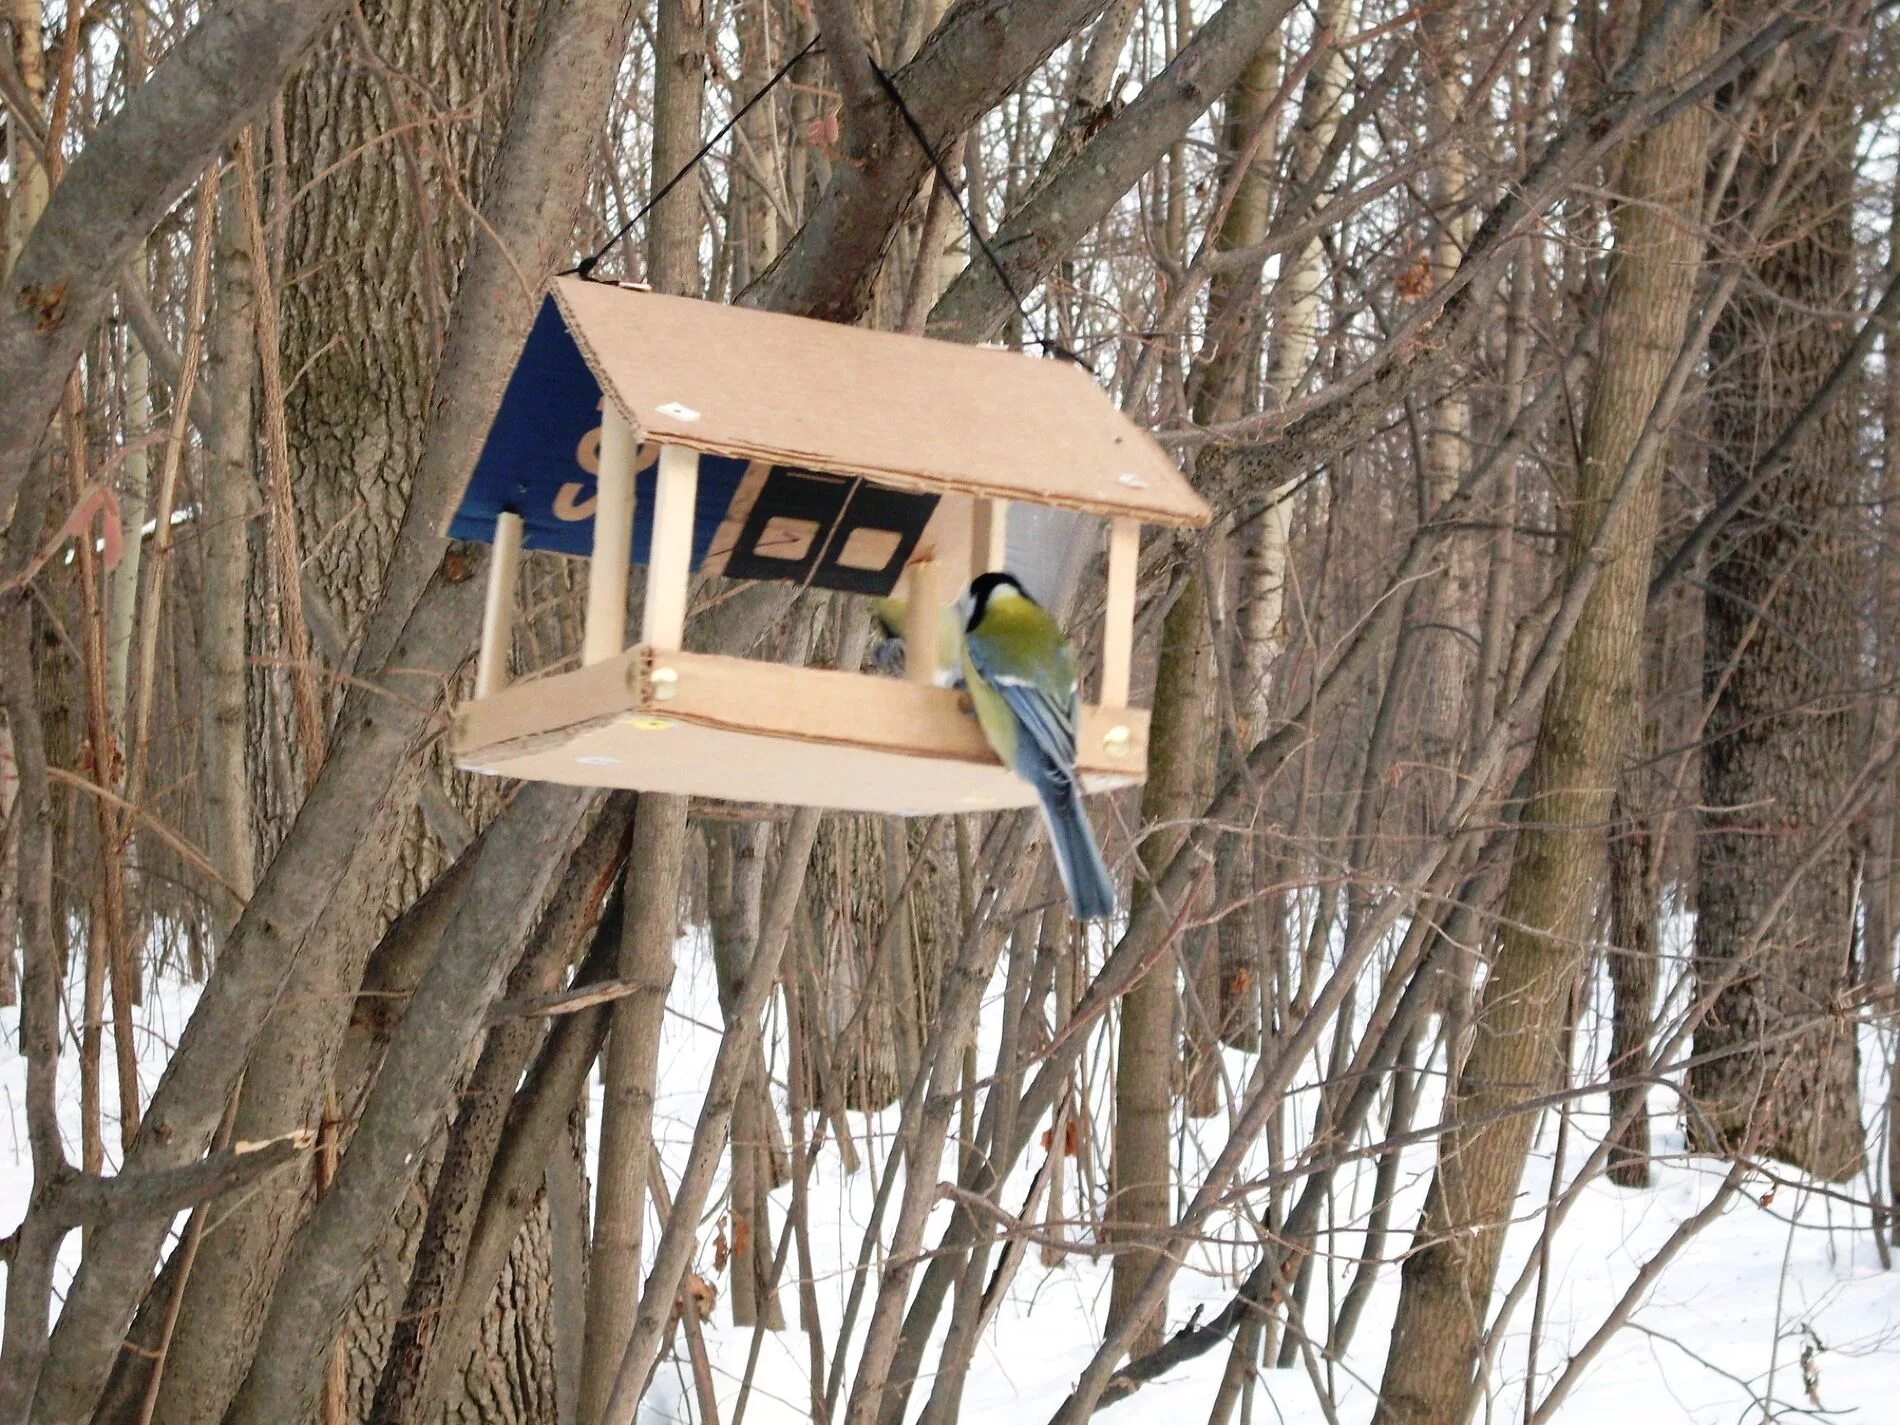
[510, 1377]
[872, 959]
[229, 499]
[373, 245]
[1633, 960]
[629, 1068]
[1222, 969]
[1777, 1065]
[630, 1062]
[30, 186]
[415, 1371]
[679, 90]
[1550, 898]
[1450, 660]
[1140, 1176]
[1252, 943]
[736, 887]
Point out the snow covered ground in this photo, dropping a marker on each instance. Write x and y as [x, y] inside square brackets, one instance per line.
[1719, 1339]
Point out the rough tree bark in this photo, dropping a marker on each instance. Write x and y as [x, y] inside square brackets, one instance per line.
[424, 628]
[1140, 1197]
[374, 244]
[1776, 1059]
[417, 1373]
[679, 92]
[1223, 975]
[1549, 901]
[1632, 952]
[229, 498]
[629, 1070]
[131, 171]
[324, 1267]
[630, 1063]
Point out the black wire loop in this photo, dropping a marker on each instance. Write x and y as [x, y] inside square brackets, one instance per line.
[585, 267]
[1049, 345]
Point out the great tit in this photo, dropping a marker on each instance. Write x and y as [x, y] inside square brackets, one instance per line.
[887, 654]
[1021, 678]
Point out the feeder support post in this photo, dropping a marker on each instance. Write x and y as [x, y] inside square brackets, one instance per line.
[606, 631]
[670, 560]
[989, 535]
[923, 609]
[1118, 630]
[491, 665]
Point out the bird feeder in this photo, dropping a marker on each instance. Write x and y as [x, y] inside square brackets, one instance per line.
[684, 435]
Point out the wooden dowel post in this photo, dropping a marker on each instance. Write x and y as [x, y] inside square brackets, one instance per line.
[670, 560]
[491, 664]
[989, 536]
[1118, 629]
[923, 609]
[606, 630]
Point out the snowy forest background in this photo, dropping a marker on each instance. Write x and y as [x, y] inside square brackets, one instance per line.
[1503, 1019]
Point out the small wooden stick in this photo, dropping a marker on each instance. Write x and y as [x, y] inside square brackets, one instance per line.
[1118, 629]
[922, 614]
[491, 666]
[670, 560]
[989, 536]
[606, 631]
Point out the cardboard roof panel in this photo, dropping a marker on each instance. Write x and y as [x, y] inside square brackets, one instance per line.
[908, 412]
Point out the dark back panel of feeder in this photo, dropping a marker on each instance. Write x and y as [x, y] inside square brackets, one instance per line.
[543, 452]
[830, 531]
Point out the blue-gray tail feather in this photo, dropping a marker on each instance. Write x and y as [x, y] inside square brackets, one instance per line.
[1072, 839]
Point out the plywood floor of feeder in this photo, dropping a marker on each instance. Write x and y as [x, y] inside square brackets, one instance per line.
[767, 732]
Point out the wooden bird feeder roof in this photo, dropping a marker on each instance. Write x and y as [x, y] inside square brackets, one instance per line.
[759, 446]
[794, 419]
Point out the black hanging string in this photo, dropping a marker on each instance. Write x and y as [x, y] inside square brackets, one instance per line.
[1049, 345]
[585, 267]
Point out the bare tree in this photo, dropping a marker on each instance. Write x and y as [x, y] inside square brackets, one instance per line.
[1408, 291]
[1778, 1067]
[1550, 899]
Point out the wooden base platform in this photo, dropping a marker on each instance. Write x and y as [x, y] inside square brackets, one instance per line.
[768, 732]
